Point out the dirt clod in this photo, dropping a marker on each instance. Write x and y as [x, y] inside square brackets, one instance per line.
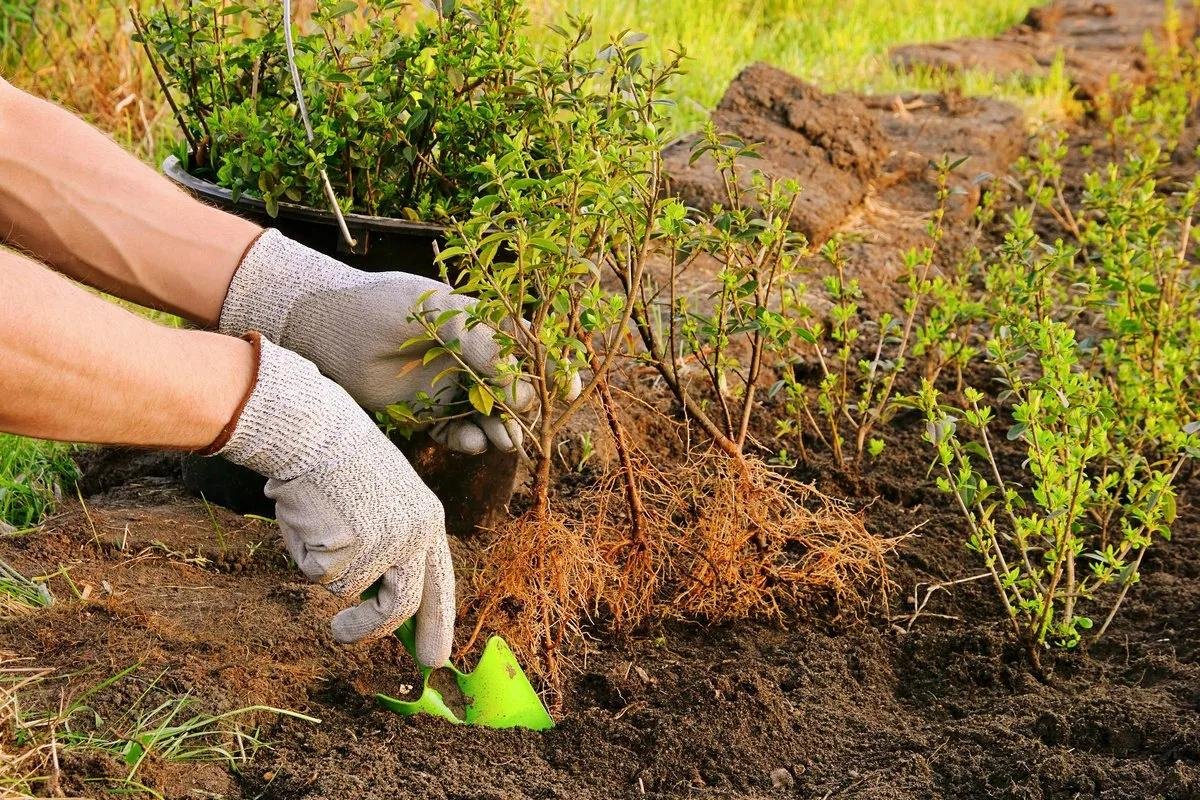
[782, 779]
[830, 143]
[1095, 40]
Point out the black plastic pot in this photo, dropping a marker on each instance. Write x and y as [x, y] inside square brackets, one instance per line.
[473, 489]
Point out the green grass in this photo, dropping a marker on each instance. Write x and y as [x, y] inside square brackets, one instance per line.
[33, 476]
[837, 44]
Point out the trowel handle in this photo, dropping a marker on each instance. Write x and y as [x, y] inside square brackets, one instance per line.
[407, 633]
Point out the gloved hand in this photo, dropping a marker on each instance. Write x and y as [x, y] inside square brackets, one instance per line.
[350, 507]
[352, 324]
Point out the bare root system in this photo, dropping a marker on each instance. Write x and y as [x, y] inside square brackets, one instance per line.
[538, 581]
[717, 541]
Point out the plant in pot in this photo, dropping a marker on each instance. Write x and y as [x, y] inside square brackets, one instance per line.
[404, 104]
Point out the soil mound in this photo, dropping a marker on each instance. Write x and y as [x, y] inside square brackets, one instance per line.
[830, 143]
[923, 129]
[1096, 40]
[863, 162]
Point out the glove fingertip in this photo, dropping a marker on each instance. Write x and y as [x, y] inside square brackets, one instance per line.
[434, 651]
[497, 433]
[398, 599]
[345, 628]
[515, 433]
[435, 617]
[574, 386]
[466, 437]
[524, 395]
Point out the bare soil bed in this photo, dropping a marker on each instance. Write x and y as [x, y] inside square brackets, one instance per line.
[937, 706]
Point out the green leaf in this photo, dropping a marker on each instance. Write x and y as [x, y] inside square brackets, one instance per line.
[432, 354]
[481, 399]
[1017, 431]
[134, 752]
[546, 245]
[342, 9]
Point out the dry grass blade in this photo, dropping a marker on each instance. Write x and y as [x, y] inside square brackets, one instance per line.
[23, 764]
[19, 594]
[80, 53]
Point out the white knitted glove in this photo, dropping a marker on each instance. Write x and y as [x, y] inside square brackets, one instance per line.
[352, 324]
[350, 507]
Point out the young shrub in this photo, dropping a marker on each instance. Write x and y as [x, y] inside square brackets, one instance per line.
[859, 359]
[574, 196]
[742, 539]
[564, 251]
[712, 352]
[948, 336]
[1065, 536]
[1097, 346]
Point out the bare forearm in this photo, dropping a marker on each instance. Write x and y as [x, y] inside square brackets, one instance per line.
[74, 199]
[77, 368]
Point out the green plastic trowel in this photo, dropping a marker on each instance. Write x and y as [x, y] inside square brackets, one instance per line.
[495, 695]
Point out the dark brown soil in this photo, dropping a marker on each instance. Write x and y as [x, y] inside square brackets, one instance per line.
[1096, 39]
[940, 705]
[446, 684]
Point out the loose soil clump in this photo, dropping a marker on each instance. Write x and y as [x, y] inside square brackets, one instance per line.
[1095, 40]
[830, 143]
[867, 165]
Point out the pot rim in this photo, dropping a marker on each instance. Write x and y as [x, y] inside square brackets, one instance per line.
[174, 169]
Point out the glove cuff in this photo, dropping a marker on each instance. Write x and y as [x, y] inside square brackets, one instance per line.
[274, 274]
[218, 444]
[293, 420]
